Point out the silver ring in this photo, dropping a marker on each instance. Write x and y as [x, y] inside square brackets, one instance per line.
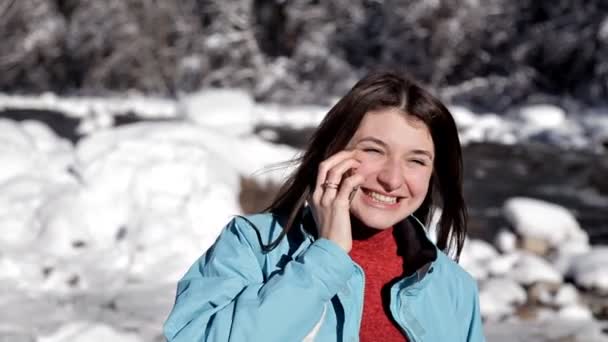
[329, 185]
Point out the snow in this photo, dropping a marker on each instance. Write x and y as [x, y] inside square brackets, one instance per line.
[230, 111]
[89, 331]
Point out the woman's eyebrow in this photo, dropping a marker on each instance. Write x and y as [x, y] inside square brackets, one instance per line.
[383, 144]
[372, 139]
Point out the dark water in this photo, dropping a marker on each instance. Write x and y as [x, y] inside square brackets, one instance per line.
[577, 180]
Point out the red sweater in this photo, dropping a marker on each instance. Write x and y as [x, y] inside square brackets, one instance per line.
[377, 255]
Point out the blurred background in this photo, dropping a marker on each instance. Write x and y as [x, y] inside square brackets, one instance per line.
[131, 131]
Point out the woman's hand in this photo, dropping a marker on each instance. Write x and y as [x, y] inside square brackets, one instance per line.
[334, 189]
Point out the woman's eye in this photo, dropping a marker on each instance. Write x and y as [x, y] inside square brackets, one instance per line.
[418, 161]
[371, 150]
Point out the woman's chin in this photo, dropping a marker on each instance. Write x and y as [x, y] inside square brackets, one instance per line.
[375, 221]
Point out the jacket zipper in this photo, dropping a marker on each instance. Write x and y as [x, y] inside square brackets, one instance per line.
[394, 305]
[362, 301]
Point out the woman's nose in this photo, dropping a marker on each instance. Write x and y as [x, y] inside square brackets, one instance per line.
[390, 176]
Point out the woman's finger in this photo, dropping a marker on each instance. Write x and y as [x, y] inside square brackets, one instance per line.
[348, 188]
[323, 170]
[329, 164]
[334, 179]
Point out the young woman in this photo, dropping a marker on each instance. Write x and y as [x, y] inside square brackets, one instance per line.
[342, 254]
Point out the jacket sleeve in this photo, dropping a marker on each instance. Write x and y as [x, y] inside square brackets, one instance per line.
[223, 296]
[475, 333]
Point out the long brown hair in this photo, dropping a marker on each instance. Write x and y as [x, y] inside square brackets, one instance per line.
[385, 90]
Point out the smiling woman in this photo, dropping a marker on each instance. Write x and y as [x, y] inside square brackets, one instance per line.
[342, 253]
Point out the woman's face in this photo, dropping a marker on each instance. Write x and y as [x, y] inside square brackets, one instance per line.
[396, 152]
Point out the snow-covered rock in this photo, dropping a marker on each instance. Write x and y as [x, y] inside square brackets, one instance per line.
[78, 219]
[596, 127]
[506, 240]
[476, 249]
[557, 329]
[21, 198]
[575, 312]
[489, 127]
[536, 219]
[565, 296]
[562, 256]
[228, 110]
[503, 264]
[295, 117]
[530, 269]
[30, 147]
[543, 116]
[463, 116]
[590, 270]
[499, 297]
[475, 257]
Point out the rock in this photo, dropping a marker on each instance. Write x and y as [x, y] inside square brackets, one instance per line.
[590, 270]
[543, 293]
[535, 245]
[535, 314]
[88, 331]
[539, 220]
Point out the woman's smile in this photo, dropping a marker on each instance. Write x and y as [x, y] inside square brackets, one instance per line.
[379, 200]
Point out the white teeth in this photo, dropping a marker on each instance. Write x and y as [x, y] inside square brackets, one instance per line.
[382, 198]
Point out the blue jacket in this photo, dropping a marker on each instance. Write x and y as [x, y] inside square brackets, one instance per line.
[309, 290]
